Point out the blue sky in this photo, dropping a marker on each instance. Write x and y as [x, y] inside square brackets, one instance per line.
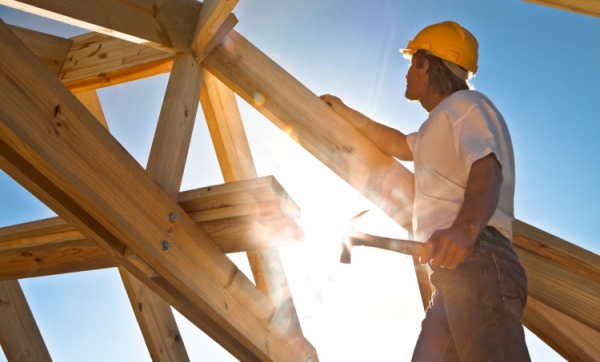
[537, 64]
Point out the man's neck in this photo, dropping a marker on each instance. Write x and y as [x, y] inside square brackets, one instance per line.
[432, 99]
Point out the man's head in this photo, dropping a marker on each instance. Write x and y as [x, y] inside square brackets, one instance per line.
[443, 56]
[436, 75]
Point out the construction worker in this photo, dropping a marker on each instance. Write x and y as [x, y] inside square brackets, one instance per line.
[463, 208]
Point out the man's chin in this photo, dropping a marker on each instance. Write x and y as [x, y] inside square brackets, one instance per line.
[411, 97]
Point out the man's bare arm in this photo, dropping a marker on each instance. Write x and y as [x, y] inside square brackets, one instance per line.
[449, 247]
[389, 140]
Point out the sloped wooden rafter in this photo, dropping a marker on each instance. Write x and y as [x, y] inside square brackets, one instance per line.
[168, 25]
[235, 159]
[568, 337]
[101, 200]
[154, 316]
[586, 7]
[20, 337]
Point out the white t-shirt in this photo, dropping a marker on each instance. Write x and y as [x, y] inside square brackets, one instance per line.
[462, 129]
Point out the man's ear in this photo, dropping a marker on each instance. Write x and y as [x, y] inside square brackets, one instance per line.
[424, 68]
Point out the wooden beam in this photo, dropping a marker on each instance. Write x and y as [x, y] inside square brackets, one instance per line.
[211, 18]
[51, 50]
[309, 121]
[20, 337]
[154, 316]
[56, 149]
[239, 216]
[156, 321]
[91, 101]
[562, 288]
[168, 25]
[235, 159]
[175, 125]
[586, 7]
[561, 275]
[97, 60]
[569, 338]
[166, 165]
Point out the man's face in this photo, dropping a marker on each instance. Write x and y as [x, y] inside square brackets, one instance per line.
[416, 81]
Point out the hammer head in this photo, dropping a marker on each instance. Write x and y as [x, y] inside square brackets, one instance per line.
[346, 256]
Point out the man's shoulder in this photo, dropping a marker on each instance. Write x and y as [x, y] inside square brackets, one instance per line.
[462, 102]
[466, 98]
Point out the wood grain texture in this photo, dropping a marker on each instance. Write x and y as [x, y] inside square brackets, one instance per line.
[239, 216]
[556, 250]
[571, 339]
[586, 7]
[51, 50]
[310, 122]
[97, 60]
[561, 288]
[156, 321]
[154, 315]
[166, 165]
[175, 125]
[212, 15]
[168, 25]
[20, 337]
[91, 101]
[226, 130]
[56, 149]
[217, 38]
[235, 159]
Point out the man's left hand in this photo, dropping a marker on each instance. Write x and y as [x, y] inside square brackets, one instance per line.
[448, 248]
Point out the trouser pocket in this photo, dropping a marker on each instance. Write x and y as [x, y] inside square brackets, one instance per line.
[513, 282]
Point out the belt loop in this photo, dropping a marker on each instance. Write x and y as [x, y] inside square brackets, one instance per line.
[487, 233]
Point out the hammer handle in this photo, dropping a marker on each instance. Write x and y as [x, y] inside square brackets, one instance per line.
[408, 247]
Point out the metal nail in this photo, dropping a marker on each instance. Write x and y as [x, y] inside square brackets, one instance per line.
[166, 245]
[173, 217]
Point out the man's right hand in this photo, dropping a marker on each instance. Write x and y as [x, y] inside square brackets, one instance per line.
[334, 102]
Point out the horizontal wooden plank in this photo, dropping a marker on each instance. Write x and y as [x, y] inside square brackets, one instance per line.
[238, 216]
[571, 339]
[586, 7]
[97, 60]
[168, 25]
[51, 50]
[53, 146]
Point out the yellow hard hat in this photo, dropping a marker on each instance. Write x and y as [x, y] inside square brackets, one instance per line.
[448, 41]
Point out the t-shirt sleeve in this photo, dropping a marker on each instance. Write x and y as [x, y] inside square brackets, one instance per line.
[410, 140]
[474, 137]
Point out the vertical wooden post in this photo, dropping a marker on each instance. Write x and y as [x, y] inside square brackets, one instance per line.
[154, 315]
[20, 337]
[235, 159]
[425, 288]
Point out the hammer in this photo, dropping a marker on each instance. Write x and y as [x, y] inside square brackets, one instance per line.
[356, 238]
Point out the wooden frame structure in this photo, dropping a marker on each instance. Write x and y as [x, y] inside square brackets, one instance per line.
[54, 141]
